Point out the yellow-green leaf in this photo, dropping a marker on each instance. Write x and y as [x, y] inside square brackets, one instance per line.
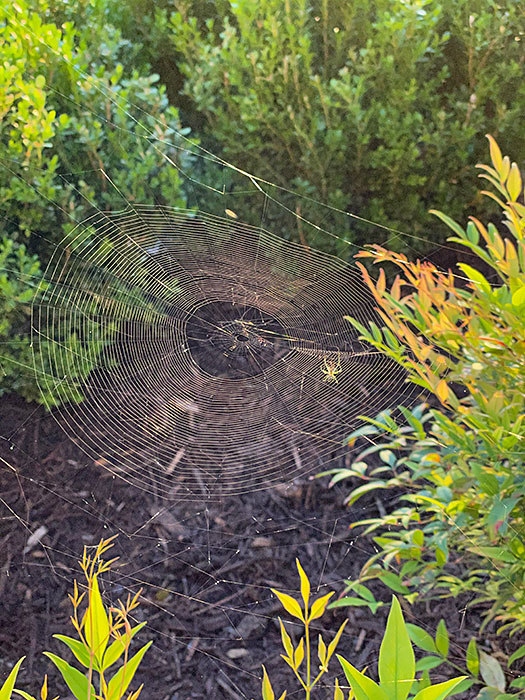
[299, 654]
[338, 693]
[319, 606]
[305, 586]
[289, 604]
[476, 278]
[518, 298]
[7, 688]
[118, 685]
[75, 680]
[514, 182]
[96, 622]
[115, 650]
[396, 657]
[335, 641]
[495, 153]
[440, 691]
[287, 642]
[321, 651]
[267, 690]
[364, 688]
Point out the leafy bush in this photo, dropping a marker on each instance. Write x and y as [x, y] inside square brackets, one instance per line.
[371, 107]
[460, 468]
[94, 649]
[73, 109]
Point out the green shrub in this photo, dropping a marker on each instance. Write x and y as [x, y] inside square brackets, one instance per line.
[371, 107]
[73, 108]
[460, 468]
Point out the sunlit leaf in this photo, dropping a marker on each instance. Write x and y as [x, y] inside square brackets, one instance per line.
[364, 688]
[299, 654]
[396, 657]
[267, 690]
[421, 637]
[440, 690]
[78, 649]
[289, 604]
[514, 182]
[117, 648]
[287, 642]
[118, 685]
[96, 622]
[305, 585]
[7, 687]
[319, 606]
[75, 680]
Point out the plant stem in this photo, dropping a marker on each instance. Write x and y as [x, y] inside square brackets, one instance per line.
[307, 635]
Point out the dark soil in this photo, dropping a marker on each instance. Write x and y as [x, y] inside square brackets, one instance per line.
[206, 569]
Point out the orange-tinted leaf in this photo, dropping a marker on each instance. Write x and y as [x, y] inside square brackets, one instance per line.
[495, 154]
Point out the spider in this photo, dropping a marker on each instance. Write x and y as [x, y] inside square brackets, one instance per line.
[331, 370]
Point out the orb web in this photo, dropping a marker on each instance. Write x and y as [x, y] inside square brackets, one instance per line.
[220, 360]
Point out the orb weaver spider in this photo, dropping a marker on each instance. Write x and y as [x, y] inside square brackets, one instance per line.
[331, 369]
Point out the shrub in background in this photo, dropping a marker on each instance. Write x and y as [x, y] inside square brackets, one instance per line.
[461, 467]
[72, 106]
[375, 108]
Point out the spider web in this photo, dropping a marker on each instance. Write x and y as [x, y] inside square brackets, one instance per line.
[230, 375]
[231, 365]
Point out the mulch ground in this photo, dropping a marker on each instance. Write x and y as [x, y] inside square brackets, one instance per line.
[206, 569]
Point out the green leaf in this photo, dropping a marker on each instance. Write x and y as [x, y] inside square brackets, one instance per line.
[351, 601]
[442, 642]
[289, 604]
[305, 586]
[429, 662]
[394, 582]
[396, 657]
[476, 277]
[75, 680]
[118, 685]
[500, 553]
[440, 690]
[361, 490]
[449, 222]
[518, 654]
[78, 649]
[491, 671]
[7, 688]
[364, 688]
[97, 624]
[421, 638]
[473, 657]
[117, 648]
[518, 298]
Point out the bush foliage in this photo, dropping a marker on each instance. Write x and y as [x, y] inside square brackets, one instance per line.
[460, 467]
[371, 107]
[70, 102]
